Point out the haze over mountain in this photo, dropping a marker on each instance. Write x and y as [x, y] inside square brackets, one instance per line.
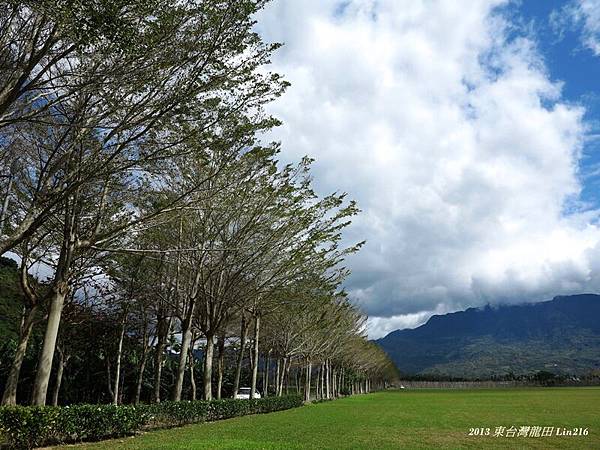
[561, 335]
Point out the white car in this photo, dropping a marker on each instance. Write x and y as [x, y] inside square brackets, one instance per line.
[244, 394]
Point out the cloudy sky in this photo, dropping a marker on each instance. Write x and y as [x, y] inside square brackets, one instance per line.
[468, 133]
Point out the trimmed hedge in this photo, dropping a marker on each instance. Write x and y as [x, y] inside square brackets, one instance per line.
[33, 426]
[168, 414]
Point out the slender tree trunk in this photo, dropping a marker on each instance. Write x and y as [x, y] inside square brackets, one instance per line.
[238, 368]
[109, 378]
[220, 366]
[317, 382]
[266, 374]
[281, 377]
[334, 376]
[59, 375]
[333, 383]
[158, 371]
[322, 381]
[327, 373]
[277, 377]
[183, 354]
[208, 360]
[119, 356]
[142, 368]
[307, 381]
[121, 389]
[287, 376]
[255, 356]
[191, 364]
[140, 377]
[40, 388]
[5, 204]
[286, 373]
[250, 356]
[9, 397]
[164, 326]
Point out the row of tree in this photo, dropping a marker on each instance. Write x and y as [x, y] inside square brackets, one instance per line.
[137, 183]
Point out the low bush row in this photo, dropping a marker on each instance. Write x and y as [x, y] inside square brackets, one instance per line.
[33, 426]
[167, 414]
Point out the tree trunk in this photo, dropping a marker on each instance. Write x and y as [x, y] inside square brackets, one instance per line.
[109, 378]
[62, 363]
[322, 381]
[255, 356]
[142, 368]
[191, 364]
[164, 326]
[318, 382]
[278, 369]
[238, 368]
[5, 204]
[118, 366]
[281, 377]
[208, 360]
[327, 375]
[250, 356]
[287, 375]
[266, 374]
[333, 382]
[323, 369]
[183, 354]
[42, 377]
[307, 381]
[220, 366]
[140, 377]
[9, 396]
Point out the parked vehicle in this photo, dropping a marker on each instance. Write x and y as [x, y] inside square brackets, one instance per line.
[244, 393]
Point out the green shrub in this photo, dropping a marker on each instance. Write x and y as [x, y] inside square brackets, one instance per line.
[27, 427]
[167, 414]
[32, 426]
[179, 413]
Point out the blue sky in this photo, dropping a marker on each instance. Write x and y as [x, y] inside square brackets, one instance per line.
[570, 61]
[467, 130]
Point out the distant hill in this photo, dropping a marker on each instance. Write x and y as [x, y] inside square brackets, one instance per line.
[561, 336]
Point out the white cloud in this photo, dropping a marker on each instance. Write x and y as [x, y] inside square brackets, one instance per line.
[584, 14]
[454, 141]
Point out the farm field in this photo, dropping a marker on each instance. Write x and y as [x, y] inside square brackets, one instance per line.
[412, 419]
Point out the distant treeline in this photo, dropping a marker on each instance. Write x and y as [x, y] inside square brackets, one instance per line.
[540, 378]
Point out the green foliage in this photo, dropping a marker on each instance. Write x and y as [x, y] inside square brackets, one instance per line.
[31, 426]
[180, 413]
[10, 300]
[27, 427]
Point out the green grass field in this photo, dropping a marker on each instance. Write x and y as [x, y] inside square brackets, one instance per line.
[417, 419]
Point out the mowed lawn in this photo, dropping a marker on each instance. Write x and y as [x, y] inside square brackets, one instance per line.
[412, 419]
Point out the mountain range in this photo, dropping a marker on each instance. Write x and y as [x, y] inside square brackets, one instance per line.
[561, 336]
